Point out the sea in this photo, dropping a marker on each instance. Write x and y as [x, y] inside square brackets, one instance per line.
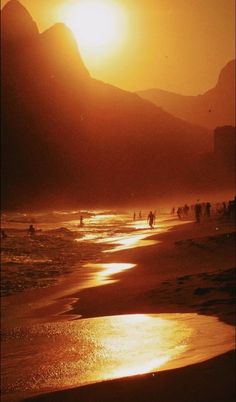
[61, 243]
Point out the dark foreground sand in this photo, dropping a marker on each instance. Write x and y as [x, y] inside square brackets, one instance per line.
[190, 270]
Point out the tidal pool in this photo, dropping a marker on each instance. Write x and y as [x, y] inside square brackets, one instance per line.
[60, 355]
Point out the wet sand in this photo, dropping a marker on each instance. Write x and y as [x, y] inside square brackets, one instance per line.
[189, 269]
[211, 381]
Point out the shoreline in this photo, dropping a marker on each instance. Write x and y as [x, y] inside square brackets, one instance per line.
[57, 299]
[160, 276]
[186, 256]
[210, 381]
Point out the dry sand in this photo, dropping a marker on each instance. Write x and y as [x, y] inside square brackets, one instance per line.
[191, 269]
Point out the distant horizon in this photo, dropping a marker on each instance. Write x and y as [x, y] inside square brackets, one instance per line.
[156, 70]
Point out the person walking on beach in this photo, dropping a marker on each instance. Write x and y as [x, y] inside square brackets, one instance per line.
[134, 216]
[81, 222]
[186, 210]
[198, 212]
[208, 209]
[151, 218]
[179, 212]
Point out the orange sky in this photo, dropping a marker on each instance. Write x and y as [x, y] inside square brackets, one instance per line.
[177, 45]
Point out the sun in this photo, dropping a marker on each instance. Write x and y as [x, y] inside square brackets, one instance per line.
[98, 25]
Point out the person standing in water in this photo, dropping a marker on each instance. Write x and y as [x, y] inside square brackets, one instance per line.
[134, 216]
[81, 221]
[151, 218]
[3, 234]
[31, 230]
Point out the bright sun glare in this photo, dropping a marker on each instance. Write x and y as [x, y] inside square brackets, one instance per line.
[98, 25]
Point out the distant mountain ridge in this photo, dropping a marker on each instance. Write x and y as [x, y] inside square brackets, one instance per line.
[67, 136]
[214, 108]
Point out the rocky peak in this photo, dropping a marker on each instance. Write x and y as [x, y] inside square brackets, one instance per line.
[227, 76]
[17, 25]
[61, 48]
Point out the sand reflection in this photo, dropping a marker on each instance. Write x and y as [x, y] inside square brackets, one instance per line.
[90, 350]
[129, 241]
[103, 272]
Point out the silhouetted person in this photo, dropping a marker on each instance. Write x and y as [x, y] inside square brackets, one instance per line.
[81, 222]
[186, 210]
[179, 213]
[134, 216]
[173, 211]
[232, 208]
[224, 208]
[208, 209]
[31, 230]
[3, 234]
[198, 212]
[151, 219]
[219, 208]
[140, 215]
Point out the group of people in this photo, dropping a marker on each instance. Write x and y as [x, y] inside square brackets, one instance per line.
[206, 209]
[199, 210]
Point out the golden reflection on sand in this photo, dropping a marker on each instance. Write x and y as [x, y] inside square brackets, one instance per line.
[97, 349]
[87, 237]
[143, 367]
[106, 270]
[128, 242]
[150, 342]
[143, 225]
[132, 234]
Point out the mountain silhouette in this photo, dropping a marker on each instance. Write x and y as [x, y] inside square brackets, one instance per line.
[69, 137]
[61, 52]
[17, 24]
[214, 108]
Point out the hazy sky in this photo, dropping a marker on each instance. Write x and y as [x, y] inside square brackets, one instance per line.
[177, 45]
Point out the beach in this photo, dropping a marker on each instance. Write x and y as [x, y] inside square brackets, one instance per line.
[181, 273]
[118, 206]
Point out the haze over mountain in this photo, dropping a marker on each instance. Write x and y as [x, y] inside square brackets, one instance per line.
[214, 108]
[67, 136]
